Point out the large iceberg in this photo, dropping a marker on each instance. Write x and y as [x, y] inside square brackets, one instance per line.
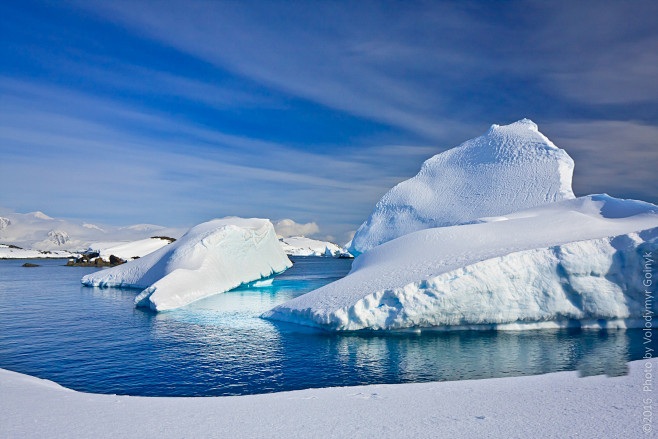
[509, 168]
[574, 262]
[210, 258]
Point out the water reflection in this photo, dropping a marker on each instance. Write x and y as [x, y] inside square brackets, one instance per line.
[94, 340]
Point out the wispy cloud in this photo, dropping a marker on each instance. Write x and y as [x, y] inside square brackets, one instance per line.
[87, 161]
[174, 112]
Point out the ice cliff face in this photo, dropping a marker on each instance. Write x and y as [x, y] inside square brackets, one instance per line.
[577, 261]
[210, 258]
[509, 168]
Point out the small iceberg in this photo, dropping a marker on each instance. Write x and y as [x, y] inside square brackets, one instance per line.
[211, 258]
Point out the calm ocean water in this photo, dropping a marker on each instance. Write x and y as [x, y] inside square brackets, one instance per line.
[94, 340]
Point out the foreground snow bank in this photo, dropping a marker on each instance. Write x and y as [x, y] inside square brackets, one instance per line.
[509, 168]
[210, 258]
[578, 259]
[556, 405]
[303, 246]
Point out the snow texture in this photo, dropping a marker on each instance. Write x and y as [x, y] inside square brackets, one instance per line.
[576, 262]
[510, 168]
[210, 258]
[303, 246]
[557, 405]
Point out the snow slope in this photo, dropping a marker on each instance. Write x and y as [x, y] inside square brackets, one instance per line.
[39, 231]
[210, 258]
[127, 250]
[578, 259]
[7, 252]
[557, 405]
[509, 168]
[303, 246]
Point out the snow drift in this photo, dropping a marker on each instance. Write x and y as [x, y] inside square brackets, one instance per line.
[575, 260]
[509, 168]
[210, 258]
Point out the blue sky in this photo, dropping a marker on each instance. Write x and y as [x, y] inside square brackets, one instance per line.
[177, 112]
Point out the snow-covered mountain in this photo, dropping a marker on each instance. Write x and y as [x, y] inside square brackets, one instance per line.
[303, 246]
[509, 168]
[39, 231]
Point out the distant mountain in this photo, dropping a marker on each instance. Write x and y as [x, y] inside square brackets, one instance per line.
[303, 246]
[36, 230]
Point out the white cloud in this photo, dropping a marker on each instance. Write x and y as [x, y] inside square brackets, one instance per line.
[287, 227]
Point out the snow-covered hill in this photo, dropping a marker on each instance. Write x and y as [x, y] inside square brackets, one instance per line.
[39, 231]
[303, 246]
[577, 260]
[509, 168]
[13, 252]
[555, 405]
[128, 250]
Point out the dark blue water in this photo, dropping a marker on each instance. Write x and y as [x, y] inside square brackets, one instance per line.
[94, 340]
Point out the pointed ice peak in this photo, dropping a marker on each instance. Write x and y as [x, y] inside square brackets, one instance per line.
[524, 123]
[40, 215]
[509, 168]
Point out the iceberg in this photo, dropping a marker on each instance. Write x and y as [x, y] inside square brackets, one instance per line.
[211, 258]
[303, 246]
[574, 262]
[510, 168]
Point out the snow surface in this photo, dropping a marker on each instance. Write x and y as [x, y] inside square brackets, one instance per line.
[127, 250]
[577, 259]
[39, 231]
[7, 252]
[210, 258]
[303, 246]
[510, 168]
[557, 405]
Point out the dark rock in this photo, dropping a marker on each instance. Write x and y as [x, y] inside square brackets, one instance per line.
[166, 238]
[114, 260]
[27, 264]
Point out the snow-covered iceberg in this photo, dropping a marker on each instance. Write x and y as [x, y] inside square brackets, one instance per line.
[509, 168]
[303, 246]
[210, 258]
[577, 261]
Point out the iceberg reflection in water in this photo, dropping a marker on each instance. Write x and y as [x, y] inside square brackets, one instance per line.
[94, 340]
